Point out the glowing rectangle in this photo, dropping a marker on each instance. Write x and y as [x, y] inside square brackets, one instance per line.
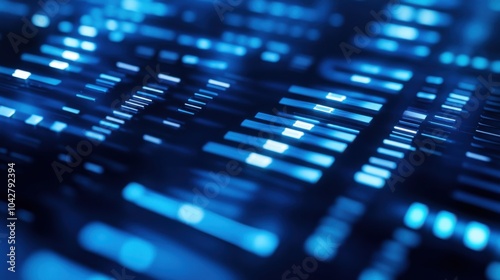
[110, 78]
[58, 126]
[478, 157]
[322, 108]
[94, 135]
[152, 139]
[127, 66]
[369, 180]
[303, 125]
[219, 83]
[416, 215]
[391, 153]
[377, 171]
[169, 78]
[71, 110]
[70, 55]
[34, 120]
[6, 111]
[21, 74]
[360, 79]
[275, 146]
[292, 133]
[258, 160]
[58, 64]
[87, 31]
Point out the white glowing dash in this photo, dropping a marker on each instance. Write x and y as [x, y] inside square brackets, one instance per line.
[258, 160]
[152, 89]
[142, 98]
[322, 108]
[71, 110]
[169, 78]
[115, 120]
[152, 139]
[218, 83]
[303, 125]
[171, 124]
[110, 78]
[489, 133]
[275, 146]
[335, 97]
[127, 66]
[293, 133]
[21, 74]
[121, 114]
[70, 55]
[193, 106]
[58, 64]
[360, 79]
[406, 130]
[478, 157]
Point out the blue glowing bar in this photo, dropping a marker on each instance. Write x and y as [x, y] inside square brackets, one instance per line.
[33, 120]
[96, 88]
[87, 31]
[416, 215]
[92, 167]
[373, 170]
[270, 57]
[400, 31]
[85, 97]
[281, 148]
[109, 124]
[369, 180]
[127, 66]
[397, 144]
[292, 133]
[478, 156]
[257, 241]
[444, 224]
[302, 173]
[169, 78]
[219, 83]
[45, 264]
[476, 236]
[168, 55]
[169, 123]
[126, 249]
[58, 126]
[428, 96]
[156, 32]
[232, 49]
[6, 111]
[111, 78]
[97, 136]
[434, 80]
[88, 46]
[336, 112]
[152, 139]
[123, 115]
[383, 162]
[102, 130]
[390, 153]
[71, 110]
[335, 97]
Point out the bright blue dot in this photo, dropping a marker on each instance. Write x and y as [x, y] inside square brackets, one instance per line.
[476, 236]
[446, 57]
[416, 215]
